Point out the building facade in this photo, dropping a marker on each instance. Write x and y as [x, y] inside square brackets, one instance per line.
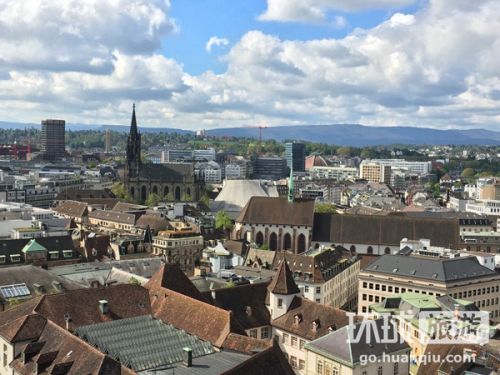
[53, 140]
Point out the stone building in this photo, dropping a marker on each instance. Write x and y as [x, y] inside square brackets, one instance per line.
[278, 223]
[173, 181]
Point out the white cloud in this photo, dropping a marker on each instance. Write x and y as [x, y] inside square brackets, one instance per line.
[216, 41]
[317, 10]
[437, 67]
[75, 35]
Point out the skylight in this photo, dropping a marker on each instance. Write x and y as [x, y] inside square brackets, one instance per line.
[15, 290]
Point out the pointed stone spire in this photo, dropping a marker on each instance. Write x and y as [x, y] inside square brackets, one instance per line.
[283, 282]
[133, 124]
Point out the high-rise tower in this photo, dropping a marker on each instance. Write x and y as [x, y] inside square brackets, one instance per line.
[52, 140]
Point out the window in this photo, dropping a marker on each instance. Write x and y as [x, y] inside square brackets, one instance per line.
[264, 332]
[319, 366]
[335, 371]
[302, 364]
[2, 258]
[4, 355]
[253, 333]
[318, 289]
[67, 253]
[390, 289]
[380, 370]
[284, 339]
[293, 361]
[15, 258]
[383, 288]
[53, 254]
[306, 289]
[396, 289]
[301, 344]
[364, 297]
[280, 302]
[294, 341]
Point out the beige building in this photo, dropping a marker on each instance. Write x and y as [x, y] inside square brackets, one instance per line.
[112, 220]
[461, 277]
[183, 245]
[374, 172]
[328, 276]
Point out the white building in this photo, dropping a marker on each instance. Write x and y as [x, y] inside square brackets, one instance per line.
[414, 167]
[341, 173]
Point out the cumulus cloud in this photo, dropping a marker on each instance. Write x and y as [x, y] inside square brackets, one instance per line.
[74, 35]
[317, 10]
[216, 41]
[437, 67]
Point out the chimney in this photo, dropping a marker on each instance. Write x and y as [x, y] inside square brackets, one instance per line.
[103, 306]
[67, 320]
[188, 356]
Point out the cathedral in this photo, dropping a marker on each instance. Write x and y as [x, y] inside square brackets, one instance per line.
[171, 182]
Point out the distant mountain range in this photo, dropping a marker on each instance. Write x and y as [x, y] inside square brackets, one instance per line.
[342, 134]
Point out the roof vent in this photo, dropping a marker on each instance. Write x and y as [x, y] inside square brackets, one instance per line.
[103, 306]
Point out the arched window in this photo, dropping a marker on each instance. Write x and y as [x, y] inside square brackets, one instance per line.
[369, 250]
[353, 249]
[155, 190]
[188, 191]
[177, 193]
[273, 242]
[132, 192]
[165, 191]
[259, 238]
[144, 193]
[387, 250]
[301, 243]
[287, 241]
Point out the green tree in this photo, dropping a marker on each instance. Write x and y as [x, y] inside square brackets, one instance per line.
[223, 221]
[344, 151]
[467, 173]
[133, 281]
[152, 200]
[324, 208]
[118, 189]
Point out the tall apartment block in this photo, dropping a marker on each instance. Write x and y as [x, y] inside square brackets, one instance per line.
[52, 139]
[295, 154]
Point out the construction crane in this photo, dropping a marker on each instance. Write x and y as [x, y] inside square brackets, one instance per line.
[261, 127]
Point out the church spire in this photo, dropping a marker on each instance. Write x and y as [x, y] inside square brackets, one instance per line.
[133, 124]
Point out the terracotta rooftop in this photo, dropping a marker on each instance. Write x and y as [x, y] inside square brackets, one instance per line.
[198, 318]
[283, 282]
[57, 351]
[247, 302]
[269, 361]
[171, 277]
[71, 208]
[245, 344]
[302, 315]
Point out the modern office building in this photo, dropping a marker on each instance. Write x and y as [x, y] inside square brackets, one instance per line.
[52, 139]
[295, 155]
[416, 167]
[269, 168]
[374, 172]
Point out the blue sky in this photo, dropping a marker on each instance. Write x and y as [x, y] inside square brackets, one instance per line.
[199, 20]
[422, 63]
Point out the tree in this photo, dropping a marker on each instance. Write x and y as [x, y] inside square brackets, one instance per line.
[468, 172]
[324, 208]
[118, 189]
[344, 151]
[133, 281]
[223, 221]
[152, 200]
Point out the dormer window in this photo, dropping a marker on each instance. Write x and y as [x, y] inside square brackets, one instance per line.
[315, 325]
[298, 318]
[280, 302]
[248, 310]
[332, 328]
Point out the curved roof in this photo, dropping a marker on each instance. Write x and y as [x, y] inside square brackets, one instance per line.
[235, 194]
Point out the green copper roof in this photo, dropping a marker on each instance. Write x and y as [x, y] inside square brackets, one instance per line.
[33, 247]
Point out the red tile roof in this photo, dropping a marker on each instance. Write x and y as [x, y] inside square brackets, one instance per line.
[283, 282]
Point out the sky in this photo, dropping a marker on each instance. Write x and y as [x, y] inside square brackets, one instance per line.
[197, 64]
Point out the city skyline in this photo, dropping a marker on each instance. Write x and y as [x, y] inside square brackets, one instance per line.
[211, 64]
